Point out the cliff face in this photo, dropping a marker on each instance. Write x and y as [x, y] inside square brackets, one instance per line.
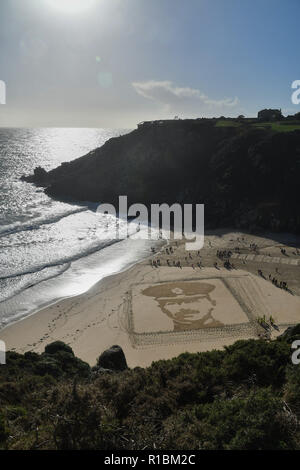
[152, 164]
[246, 177]
[257, 180]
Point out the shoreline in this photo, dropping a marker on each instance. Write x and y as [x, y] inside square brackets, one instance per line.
[97, 319]
[81, 275]
[67, 297]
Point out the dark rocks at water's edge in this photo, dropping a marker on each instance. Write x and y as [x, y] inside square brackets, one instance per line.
[40, 177]
[247, 177]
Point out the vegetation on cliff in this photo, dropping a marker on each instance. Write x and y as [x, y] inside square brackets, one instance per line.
[245, 397]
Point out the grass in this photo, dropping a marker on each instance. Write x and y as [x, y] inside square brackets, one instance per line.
[280, 126]
[227, 123]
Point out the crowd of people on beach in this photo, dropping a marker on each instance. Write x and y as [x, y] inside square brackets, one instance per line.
[228, 265]
[224, 256]
[156, 263]
[274, 280]
[280, 284]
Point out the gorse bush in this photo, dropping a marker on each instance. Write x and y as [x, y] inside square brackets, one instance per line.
[3, 430]
[244, 397]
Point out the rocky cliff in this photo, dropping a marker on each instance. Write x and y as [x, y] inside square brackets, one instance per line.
[247, 177]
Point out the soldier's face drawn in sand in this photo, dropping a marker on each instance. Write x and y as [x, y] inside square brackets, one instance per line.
[189, 304]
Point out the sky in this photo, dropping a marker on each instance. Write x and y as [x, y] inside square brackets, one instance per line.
[114, 63]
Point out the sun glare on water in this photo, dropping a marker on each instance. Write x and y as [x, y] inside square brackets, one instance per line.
[71, 6]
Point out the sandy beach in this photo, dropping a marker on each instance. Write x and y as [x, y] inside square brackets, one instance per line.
[157, 312]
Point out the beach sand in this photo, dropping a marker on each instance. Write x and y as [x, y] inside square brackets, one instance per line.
[159, 312]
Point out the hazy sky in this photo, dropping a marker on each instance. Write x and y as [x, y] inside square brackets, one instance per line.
[113, 63]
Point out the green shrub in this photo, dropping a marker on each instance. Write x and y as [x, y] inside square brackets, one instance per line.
[262, 361]
[3, 430]
[255, 422]
[57, 346]
[243, 397]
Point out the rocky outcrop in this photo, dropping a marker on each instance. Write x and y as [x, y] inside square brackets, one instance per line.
[40, 177]
[112, 359]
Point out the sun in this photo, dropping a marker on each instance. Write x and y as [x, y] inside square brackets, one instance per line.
[71, 6]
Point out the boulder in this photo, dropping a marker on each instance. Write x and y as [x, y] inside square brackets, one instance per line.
[112, 359]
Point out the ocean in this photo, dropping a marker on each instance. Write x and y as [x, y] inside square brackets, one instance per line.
[51, 249]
